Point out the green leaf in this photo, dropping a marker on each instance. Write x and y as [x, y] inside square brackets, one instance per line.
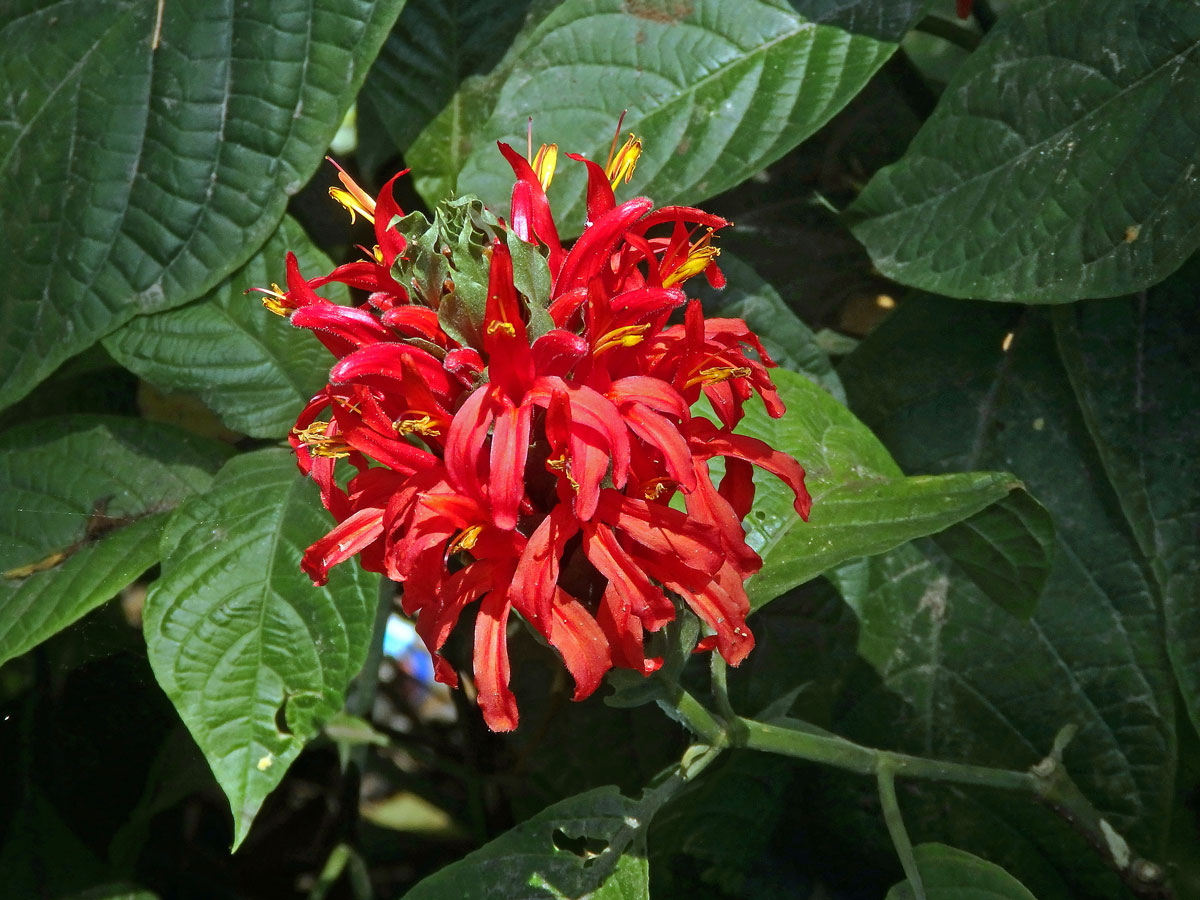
[951, 874]
[717, 90]
[1060, 163]
[1006, 550]
[789, 341]
[937, 384]
[252, 655]
[248, 366]
[85, 500]
[862, 503]
[135, 178]
[590, 845]
[1132, 365]
[435, 46]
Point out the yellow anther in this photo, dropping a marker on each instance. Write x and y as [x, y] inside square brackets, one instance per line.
[352, 205]
[507, 327]
[699, 255]
[423, 425]
[466, 539]
[353, 197]
[625, 336]
[717, 373]
[622, 163]
[562, 463]
[274, 300]
[545, 163]
[330, 446]
[656, 487]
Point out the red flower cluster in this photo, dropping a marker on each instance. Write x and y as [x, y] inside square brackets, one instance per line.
[523, 451]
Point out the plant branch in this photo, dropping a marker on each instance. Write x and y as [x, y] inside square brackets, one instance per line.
[1047, 781]
[894, 820]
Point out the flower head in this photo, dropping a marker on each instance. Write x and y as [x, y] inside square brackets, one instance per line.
[518, 417]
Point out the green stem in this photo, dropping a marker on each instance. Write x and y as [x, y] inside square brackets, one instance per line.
[691, 713]
[720, 688]
[843, 754]
[948, 31]
[894, 820]
[1048, 781]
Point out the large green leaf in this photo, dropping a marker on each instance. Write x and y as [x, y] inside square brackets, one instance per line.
[85, 500]
[590, 845]
[862, 503]
[134, 178]
[716, 89]
[951, 874]
[937, 384]
[1132, 364]
[248, 366]
[1060, 163]
[252, 655]
[435, 47]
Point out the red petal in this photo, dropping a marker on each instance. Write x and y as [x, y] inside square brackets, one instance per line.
[600, 197]
[536, 577]
[706, 442]
[584, 648]
[594, 247]
[661, 433]
[654, 392]
[464, 442]
[492, 671]
[346, 539]
[357, 326]
[645, 599]
[510, 446]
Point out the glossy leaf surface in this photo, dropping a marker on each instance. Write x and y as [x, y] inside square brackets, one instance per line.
[253, 656]
[135, 176]
[1061, 161]
[85, 501]
[250, 367]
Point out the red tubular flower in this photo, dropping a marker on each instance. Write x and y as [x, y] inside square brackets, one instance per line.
[521, 451]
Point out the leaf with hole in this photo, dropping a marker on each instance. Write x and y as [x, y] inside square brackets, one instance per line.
[592, 844]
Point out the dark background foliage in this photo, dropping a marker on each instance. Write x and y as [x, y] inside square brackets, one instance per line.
[971, 243]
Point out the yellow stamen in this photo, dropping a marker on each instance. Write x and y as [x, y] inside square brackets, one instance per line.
[545, 163]
[422, 425]
[699, 255]
[274, 299]
[507, 327]
[354, 198]
[330, 446]
[656, 487]
[717, 373]
[625, 336]
[352, 205]
[620, 167]
[562, 463]
[466, 539]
